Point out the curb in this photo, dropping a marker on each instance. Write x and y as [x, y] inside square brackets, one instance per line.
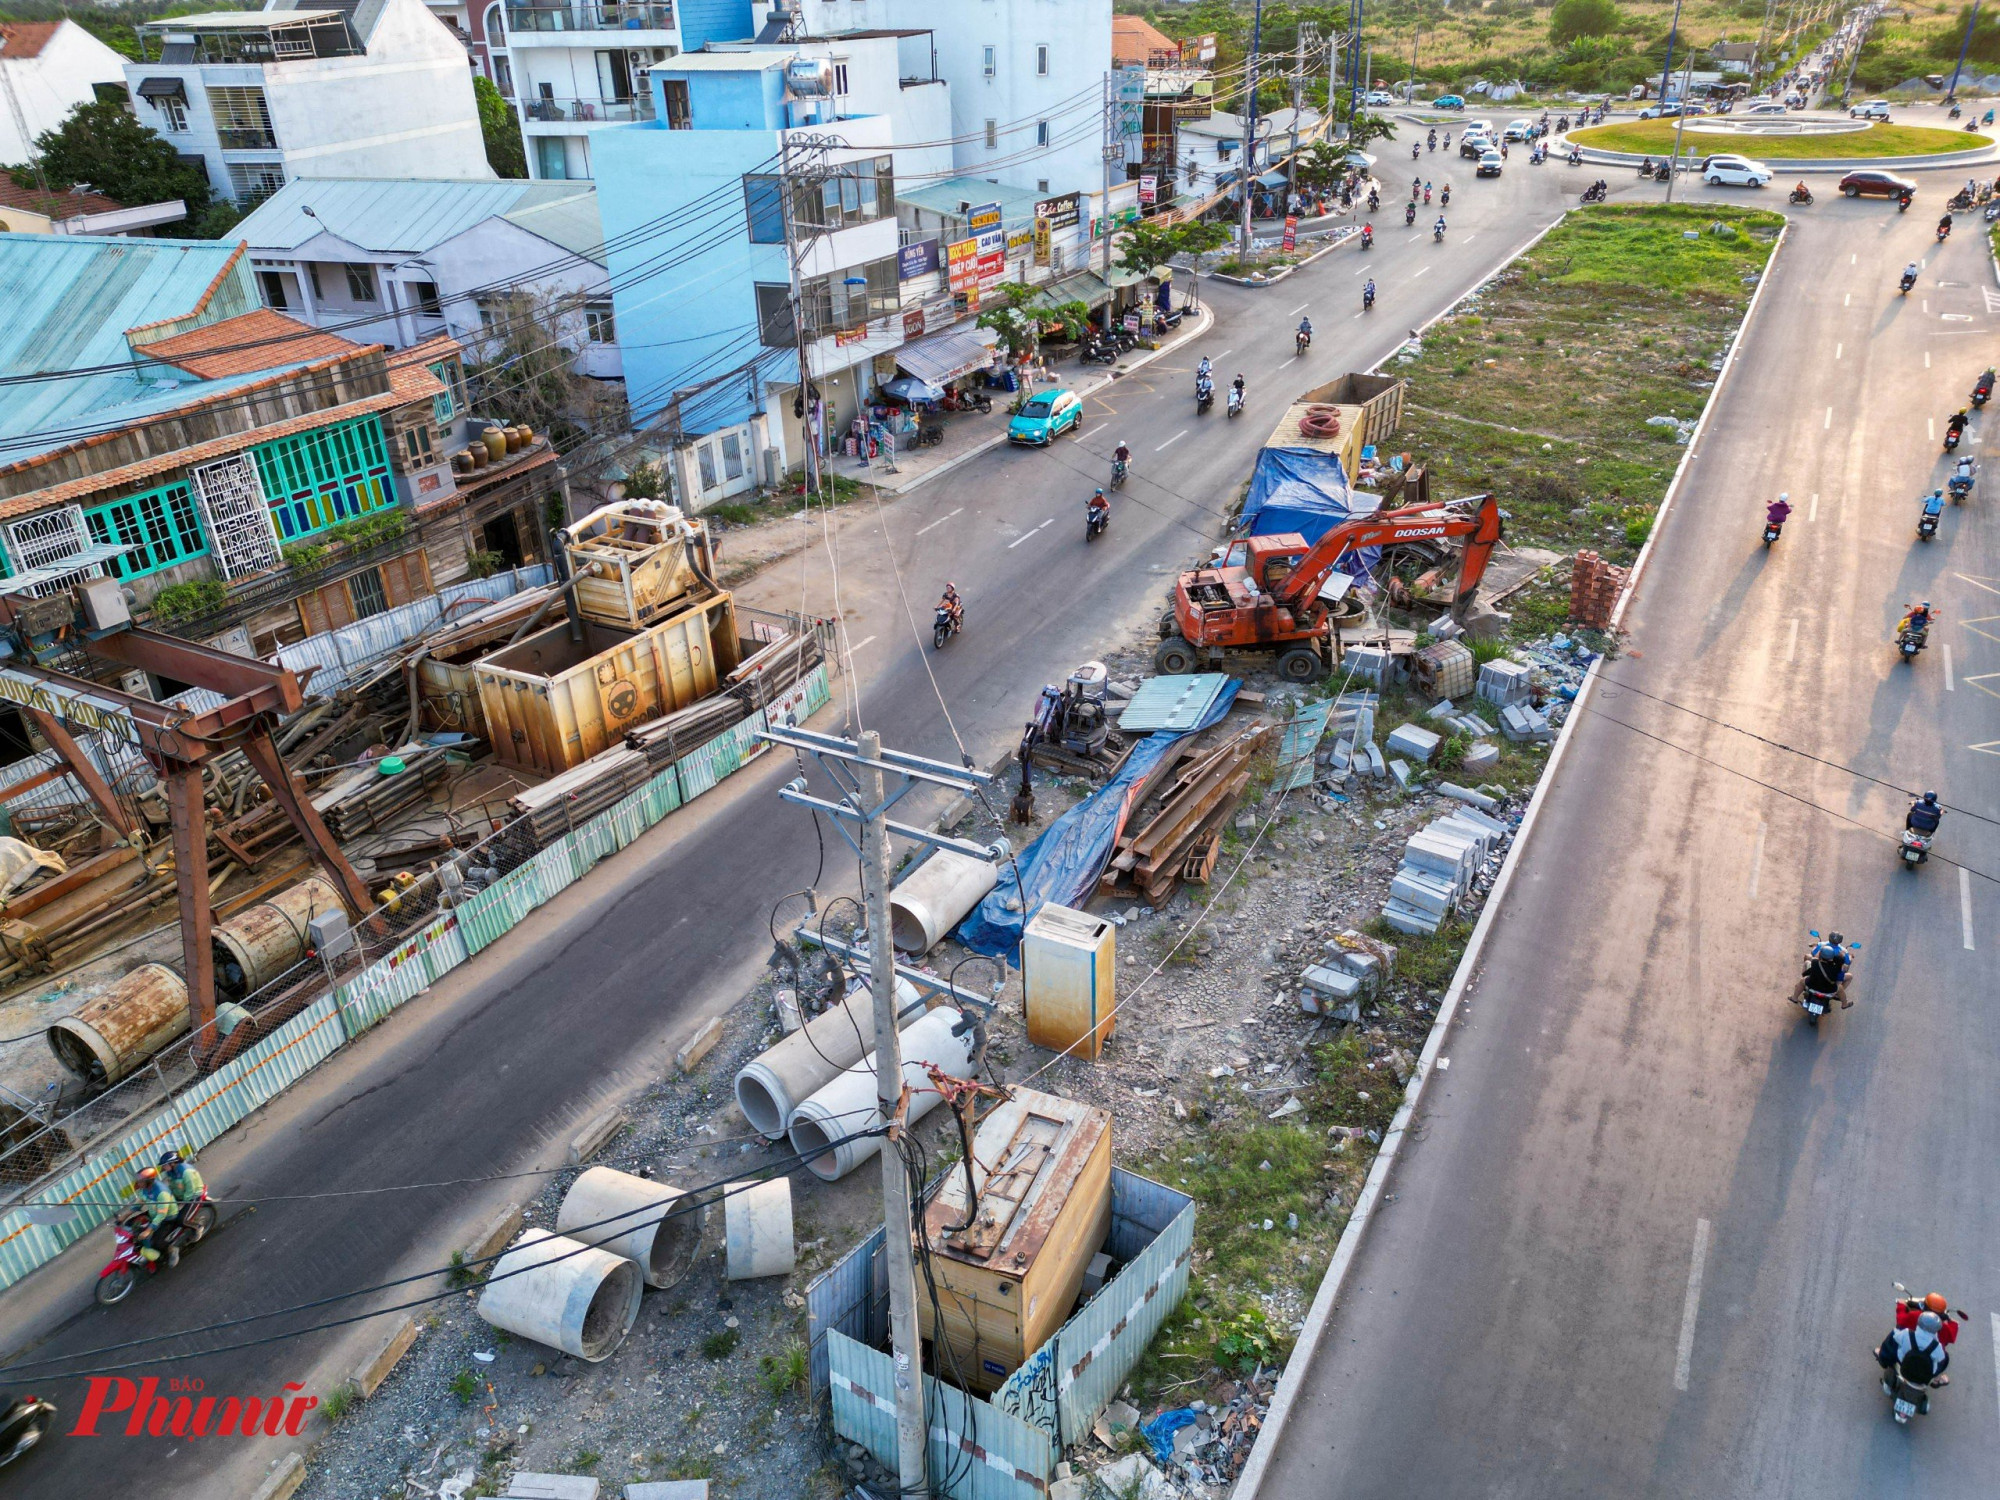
[1784, 166]
[1321, 1311]
[283, 1480]
[372, 1371]
[493, 1238]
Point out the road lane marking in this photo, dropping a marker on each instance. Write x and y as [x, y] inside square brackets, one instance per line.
[1829, 420]
[1996, 1348]
[1813, 514]
[1225, 354]
[1424, 272]
[1299, 309]
[1930, 426]
[1792, 641]
[1836, 350]
[1949, 686]
[1685, 1356]
[1172, 440]
[1470, 238]
[1848, 300]
[1026, 534]
[1926, 304]
[1756, 865]
[940, 520]
[1965, 905]
[1927, 359]
[858, 645]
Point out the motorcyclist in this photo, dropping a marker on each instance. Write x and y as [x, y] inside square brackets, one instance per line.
[1984, 385]
[1204, 370]
[1575, 155]
[1236, 392]
[1444, 196]
[1305, 332]
[1826, 967]
[1204, 385]
[1427, 195]
[1955, 423]
[1099, 504]
[1917, 1349]
[1409, 213]
[1917, 617]
[1438, 228]
[1909, 275]
[1963, 470]
[1447, 140]
[1368, 292]
[1924, 815]
[1415, 151]
[1374, 198]
[162, 1209]
[1934, 503]
[952, 603]
[1646, 167]
[1121, 457]
[1776, 512]
[1367, 235]
[1944, 226]
[1432, 143]
[182, 1180]
[1801, 189]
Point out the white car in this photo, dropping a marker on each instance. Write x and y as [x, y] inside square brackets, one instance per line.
[1377, 97]
[1361, 161]
[1767, 108]
[1728, 169]
[1874, 109]
[1520, 130]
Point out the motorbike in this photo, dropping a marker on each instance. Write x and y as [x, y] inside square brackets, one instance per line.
[1367, 239]
[1409, 214]
[1562, 124]
[1575, 157]
[1909, 279]
[1235, 401]
[1367, 298]
[1909, 643]
[1816, 1001]
[1802, 195]
[1095, 518]
[1903, 202]
[1204, 397]
[1981, 394]
[1990, 213]
[24, 1424]
[116, 1280]
[1374, 201]
[1596, 193]
[930, 434]
[1301, 342]
[1950, 439]
[1927, 525]
[1914, 848]
[1098, 352]
[943, 627]
[966, 401]
[1958, 486]
[1943, 233]
[1118, 473]
[1437, 234]
[1771, 530]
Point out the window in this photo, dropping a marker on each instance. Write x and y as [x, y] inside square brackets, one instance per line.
[706, 454]
[839, 78]
[992, 135]
[425, 295]
[242, 119]
[1042, 60]
[161, 526]
[174, 112]
[764, 206]
[254, 181]
[1041, 132]
[732, 455]
[449, 402]
[272, 284]
[991, 65]
[45, 540]
[832, 305]
[551, 159]
[417, 446]
[598, 319]
[320, 479]
[774, 315]
[360, 282]
[855, 192]
[1041, 184]
[366, 590]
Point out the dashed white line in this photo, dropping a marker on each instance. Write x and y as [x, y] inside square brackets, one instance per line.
[1812, 514]
[1996, 1347]
[1225, 354]
[1792, 641]
[1172, 440]
[1949, 684]
[859, 644]
[1026, 534]
[1848, 300]
[1757, 852]
[1930, 426]
[1927, 359]
[1470, 238]
[1925, 304]
[1684, 1357]
[1424, 272]
[1299, 309]
[1829, 419]
[1836, 350]
[940, 520]
[1965, 905]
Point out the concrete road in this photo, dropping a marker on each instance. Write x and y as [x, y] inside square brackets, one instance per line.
[1644, 1237]
[494, 1070]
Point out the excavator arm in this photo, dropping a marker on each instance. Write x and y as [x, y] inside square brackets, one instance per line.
[1477, 519]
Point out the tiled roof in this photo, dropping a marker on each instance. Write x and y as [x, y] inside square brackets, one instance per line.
[1134, 39]
[260, 340]
[25, 38]
[51, 205]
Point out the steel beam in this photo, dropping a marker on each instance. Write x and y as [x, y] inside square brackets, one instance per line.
[262, 753]
[87, 774]
[184, 803]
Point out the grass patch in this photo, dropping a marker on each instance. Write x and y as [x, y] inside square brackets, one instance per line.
[458, 1274]
[720, 1344]
[1656, 138]
[465, 1386]
[784, 1371]
[339, 1401]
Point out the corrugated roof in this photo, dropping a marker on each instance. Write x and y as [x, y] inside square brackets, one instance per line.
[218, 350]
[1172, 702]
[944, 197]
[240, 20]
[406, 216]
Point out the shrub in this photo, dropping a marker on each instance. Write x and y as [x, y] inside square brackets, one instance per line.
[187, 601]
[721, 1344]
[784, 1371]
[464, 1385]
[1245, 1343]
[339, 1401]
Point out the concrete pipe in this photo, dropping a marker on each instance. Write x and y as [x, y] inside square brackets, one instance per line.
[115, 1033]
[757, 1230]
[935, 898]
[261, 942]
[771, 1086]
[567, 1295]
[848, 1103]
[629, 1216]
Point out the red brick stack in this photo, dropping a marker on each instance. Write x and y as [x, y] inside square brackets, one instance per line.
[1594, 587]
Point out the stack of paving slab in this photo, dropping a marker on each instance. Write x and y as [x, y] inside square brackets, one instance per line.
[1440, 864]
[1354, 750]
[1523, 721]
[1354, 970]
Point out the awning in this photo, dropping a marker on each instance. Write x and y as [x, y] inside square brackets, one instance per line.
[946, 356]
[1271, 180]
[1085, 286]
[163, 88]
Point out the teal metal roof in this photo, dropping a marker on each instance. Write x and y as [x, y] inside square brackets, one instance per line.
[1017, 206]
[1172, 702]
[403, 216]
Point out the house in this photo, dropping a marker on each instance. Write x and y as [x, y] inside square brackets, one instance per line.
[579, 65]
[378, 88]
[695, 226]
[400, 261]
[47, 68]
[1734, 57]
[1137, 42]
[1212, 148]
[251, 479]
[34, 211]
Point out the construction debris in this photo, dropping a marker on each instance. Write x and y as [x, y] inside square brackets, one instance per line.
[1191, 793]
[1594, 589]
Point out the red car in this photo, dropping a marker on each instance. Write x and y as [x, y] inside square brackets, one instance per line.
[1873, 184]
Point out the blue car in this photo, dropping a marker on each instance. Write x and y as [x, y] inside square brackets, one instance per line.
[1046, 417]
[1448, 101]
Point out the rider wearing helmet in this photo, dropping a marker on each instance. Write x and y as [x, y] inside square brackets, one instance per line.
[161, 1208]
[1776, 512]
[1919, 1348]
[1924, 815]
[182, 1180]
[1917, 618]
[1826, 966]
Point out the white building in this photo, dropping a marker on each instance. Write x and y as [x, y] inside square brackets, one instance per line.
[381, 89]
[47, 68]
[577, 66]
[396, 261]
[1026, 76]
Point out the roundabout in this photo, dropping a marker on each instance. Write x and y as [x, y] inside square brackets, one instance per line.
[1795, 140]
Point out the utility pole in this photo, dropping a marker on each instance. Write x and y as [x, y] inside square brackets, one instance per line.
[1673, 31]
[1114, 149]
[1250, 120]
[1298, 102]
[1951, 91]
[1680, 125]
[1763, 36]
[799, 160]
[859, 770]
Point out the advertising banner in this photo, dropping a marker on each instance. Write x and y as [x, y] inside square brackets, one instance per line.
[1291, 233]
[962, 267]
[1063, 212]
[1149, 189]
[916, 260]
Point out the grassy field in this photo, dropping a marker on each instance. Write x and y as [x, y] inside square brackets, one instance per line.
[1656, 137]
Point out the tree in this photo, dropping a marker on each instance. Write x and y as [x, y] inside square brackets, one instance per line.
[1580, 18]
[502, 129]
[1148, 246]
[525, 367]
[102, 144]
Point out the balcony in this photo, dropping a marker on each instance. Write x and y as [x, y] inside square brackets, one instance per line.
[586, 111]
[591, 15]
[250, 138]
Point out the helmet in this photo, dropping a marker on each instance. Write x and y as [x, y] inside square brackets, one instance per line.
[1930, 1322]
[1784, 497]
[169, 1159]
[148, 1176]
[1100, 492]
[1935, 1303]
[1925, 605]
[1835, 938]
[1931, 799]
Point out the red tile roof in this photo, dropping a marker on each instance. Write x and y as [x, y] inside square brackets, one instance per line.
[53, 205]
[26, 38]
[260, 340]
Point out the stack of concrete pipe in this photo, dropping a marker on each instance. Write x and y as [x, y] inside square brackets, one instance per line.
[644, 1221]
[563, 1293]
[848, 1104]
[770, 1087]
[936, 896]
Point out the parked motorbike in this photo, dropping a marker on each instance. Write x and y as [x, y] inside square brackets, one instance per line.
[1095, 518]
[943, 627]
[966, 401]
[25, 1423]
[1802, 195]
[116, 1280]
[1098, 352]
[1914, 848]
[930, 434]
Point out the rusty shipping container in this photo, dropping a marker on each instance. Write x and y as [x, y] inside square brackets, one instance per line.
[551, 703]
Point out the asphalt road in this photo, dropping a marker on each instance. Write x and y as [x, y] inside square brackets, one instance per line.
[499, 1065]
[1644, 1236]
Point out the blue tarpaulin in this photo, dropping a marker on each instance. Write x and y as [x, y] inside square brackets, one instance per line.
[1303, 490]
[1063, 864]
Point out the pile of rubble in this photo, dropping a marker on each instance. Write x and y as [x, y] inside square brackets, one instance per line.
[1197, 1449]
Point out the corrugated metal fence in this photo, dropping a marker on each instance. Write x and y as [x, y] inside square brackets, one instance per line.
[208, 1106]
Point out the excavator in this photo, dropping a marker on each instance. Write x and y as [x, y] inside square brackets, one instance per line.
[1262, 595]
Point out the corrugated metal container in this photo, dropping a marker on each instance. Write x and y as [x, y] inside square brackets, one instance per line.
[121, 1028]
[551, 703]
[1069, 967]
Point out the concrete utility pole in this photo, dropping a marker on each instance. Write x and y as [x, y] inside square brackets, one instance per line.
[1673, 31]
[1114, 149]
[1951, 90]
[1298, 102]
[859, 770]
[1763, 36]
[1680, 125]
[1250, 120]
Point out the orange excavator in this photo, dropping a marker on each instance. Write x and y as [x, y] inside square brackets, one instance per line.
[1263, 594]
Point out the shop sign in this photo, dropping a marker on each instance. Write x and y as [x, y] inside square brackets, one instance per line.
[1063, 212]
[916, 260]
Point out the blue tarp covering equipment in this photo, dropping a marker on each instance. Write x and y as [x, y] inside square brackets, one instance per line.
[1063, 864]
[1304, 490]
